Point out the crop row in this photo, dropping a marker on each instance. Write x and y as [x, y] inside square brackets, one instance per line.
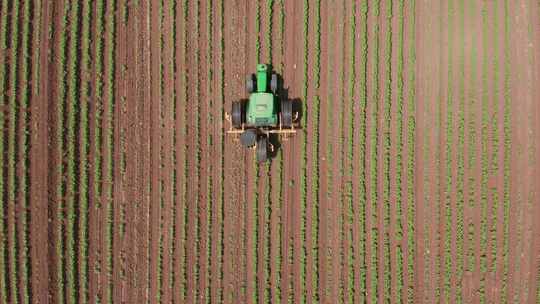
[316, 152]
[411, 131]
[374, 195]
[3, 70]
[84, 147]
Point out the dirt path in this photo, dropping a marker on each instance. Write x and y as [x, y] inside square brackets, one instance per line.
[38, 151]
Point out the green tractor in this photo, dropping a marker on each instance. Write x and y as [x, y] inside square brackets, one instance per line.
[263, 114]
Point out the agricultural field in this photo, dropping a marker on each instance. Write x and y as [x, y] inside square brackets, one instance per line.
[414, 177]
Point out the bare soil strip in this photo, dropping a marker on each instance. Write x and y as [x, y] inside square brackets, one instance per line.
[323, 152]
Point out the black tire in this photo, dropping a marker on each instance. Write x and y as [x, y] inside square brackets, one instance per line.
[237, 114]
[274, 83]
[248, 138]
[250, 83]
[262, 149]
[286, 113]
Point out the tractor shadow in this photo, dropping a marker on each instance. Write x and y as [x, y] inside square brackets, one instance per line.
[297, 105]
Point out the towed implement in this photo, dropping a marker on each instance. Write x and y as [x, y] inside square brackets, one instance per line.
[254, 120]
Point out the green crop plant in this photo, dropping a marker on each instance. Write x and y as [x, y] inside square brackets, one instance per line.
[507, 152]
[3, 268]
[25, 91]
[448, 154]
[399, 157]
[472, 138]
[210, 181]
[350, 152]
[461, 154]
[411, 131]
[494, 167]
[174, 189]
[221, 196]
[71, 144]
[387, 147]
[374, 154]
[12, 152]
[484, 153]
[183, 159]
[270, 16]
[361, 258]
[60, 147]
[98, 111]
[109, 147]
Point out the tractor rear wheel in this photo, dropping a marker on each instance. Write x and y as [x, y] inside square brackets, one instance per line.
[286, 113]
[237, 114]
[250, 83]
[274, 84]
[262, 149]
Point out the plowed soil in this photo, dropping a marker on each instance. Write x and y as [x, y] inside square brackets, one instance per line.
[413, 177]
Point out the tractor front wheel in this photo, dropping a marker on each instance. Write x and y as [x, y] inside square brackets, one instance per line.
[262, 149]
[286, 113]
[250, 83]
[237, 114]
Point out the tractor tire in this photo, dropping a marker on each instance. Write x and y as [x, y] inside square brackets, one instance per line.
[262, 149]
[237, 114]
[274, 84]
[286, 113]
[248, 138]
[250, 83]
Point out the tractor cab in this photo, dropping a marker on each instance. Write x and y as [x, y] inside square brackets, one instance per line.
[262, 114]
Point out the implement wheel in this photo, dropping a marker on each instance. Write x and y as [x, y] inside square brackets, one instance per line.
[237, 114]
[286, 113]
[262, 149]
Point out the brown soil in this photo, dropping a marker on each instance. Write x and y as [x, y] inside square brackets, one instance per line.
[179, 212]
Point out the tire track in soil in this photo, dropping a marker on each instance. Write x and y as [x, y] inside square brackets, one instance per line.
[145, 127]
[290, 173]
[39, 151]
[155, 155]
[426, 153]
[323, 153]
[167, 146]
[234, 161]
[216, 276]
[335, 186]
[276, 164]
[133, 163]
[181, 70]
[95, 153]
[312, 126]
[119, 142]
[203, 162]
[264, 183]
[251, 169]
[293, 69]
